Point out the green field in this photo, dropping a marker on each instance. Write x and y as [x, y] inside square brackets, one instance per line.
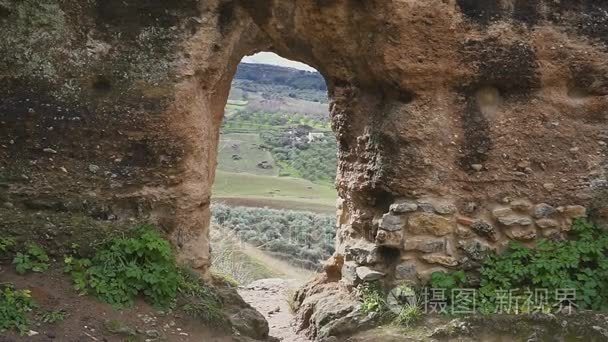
[302, 194]
[247, 147]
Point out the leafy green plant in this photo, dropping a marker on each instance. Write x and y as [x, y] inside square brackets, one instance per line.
[6, 243]
[52, 316]
[580, 263]
[126, 267]
[34, 259]
[448, 281]
[14, 307]
[373, 298]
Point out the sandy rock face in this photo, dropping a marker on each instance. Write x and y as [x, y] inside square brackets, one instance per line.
[448, 113]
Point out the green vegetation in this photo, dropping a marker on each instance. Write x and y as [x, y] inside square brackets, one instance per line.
[242, 152]
[243, 185]
[302, 238]
[6, 244]
[373, 299]
[449, 281]
[52, 316]
[143, 264]
[316, 162]
[580, 263]
[242, 121]
[200, 301]
[34, 259]
[14, 307]
[129, 266]
[231, 264]
[408, 316]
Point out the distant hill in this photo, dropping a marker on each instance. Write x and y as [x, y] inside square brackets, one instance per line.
[277, 75]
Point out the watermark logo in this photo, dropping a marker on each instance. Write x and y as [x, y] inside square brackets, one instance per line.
[470, 301]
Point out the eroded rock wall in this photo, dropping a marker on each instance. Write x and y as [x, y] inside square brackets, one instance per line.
[462, 124]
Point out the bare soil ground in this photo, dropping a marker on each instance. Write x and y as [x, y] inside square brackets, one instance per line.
[90, 320]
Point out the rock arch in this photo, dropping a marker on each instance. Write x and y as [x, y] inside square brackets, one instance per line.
[458, 125]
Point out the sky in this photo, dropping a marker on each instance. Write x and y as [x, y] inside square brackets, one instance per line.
[274, 59]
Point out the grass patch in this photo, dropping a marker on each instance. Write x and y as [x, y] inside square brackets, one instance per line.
[201, 301]
[231, 264]
[243, 185]
[241, 152]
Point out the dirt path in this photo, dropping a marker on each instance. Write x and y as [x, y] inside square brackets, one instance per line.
[271, 298]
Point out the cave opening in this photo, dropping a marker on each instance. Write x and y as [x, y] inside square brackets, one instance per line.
[273, 200]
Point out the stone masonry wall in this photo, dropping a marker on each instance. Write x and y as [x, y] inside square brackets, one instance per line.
[435, 235]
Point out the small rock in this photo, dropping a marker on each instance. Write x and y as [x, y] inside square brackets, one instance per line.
[521, 205]
[49, 150]
[363, 252]
[549, 186]
[367, 274]
[475, 249]
[463, 232]
[403, 207]
[275, 310]
[543, 210]
[513, 220]
[389, 238]
[465, 221]
[484, 229]
[424, 244]
[547, 223]
[426, 207]
[152, 333]
[501, 212]
[477, 167]
[391, 222]
[429, 224]
[575, 211]
[63, 169]
[445, 208]
[406, 270]
[523, 234]
[93, 168]
[32, 333]
[439, 259]
[470, 207]
[349, 272]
